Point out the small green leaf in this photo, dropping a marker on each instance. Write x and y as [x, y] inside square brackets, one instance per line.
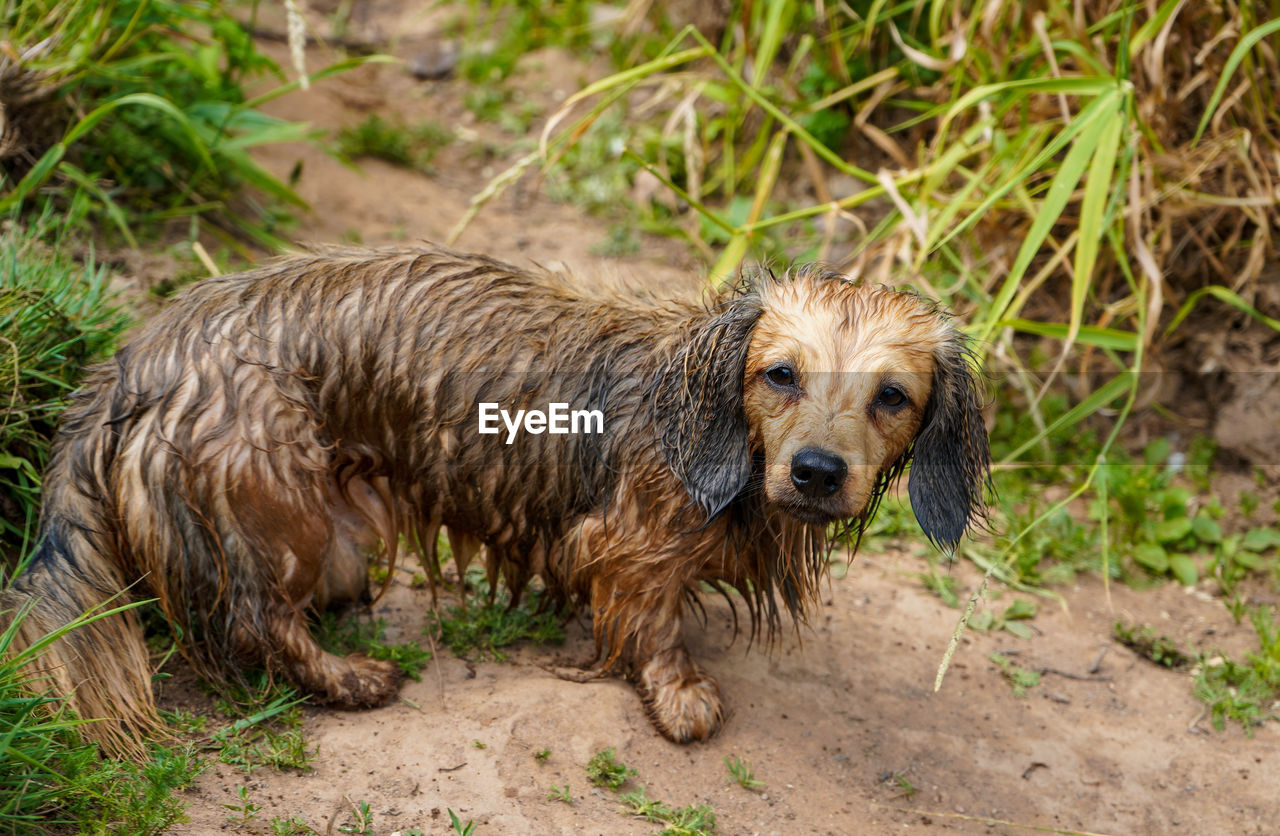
[1248, 560]
[1206, 530]
[1171, 531]
[1018, 629]
[1184, 569]
[982, 620]
[1174, 501]
[1152, 556]
[1020, 608]
[1260, 539]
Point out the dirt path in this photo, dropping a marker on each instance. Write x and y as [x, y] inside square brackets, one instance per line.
[829, 726]
[828, 719]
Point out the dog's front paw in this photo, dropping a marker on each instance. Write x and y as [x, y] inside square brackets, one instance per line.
[683, 702]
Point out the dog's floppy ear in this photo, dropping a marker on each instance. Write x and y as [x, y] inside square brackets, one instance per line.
[698, 409]
[951, 460]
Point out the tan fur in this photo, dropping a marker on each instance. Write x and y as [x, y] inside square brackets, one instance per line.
[250, 448]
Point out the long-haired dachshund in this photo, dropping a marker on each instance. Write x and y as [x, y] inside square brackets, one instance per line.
[252, 446]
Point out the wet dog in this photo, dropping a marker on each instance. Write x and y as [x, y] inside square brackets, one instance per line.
[248, 451]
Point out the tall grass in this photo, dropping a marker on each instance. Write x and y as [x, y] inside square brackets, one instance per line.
[1080, 175]
[51, 782]
[142, 106]
[1075, 173]
[1078, 180]
[56, 316]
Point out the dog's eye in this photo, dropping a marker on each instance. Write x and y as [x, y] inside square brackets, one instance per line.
[781, 376]
[892, 396]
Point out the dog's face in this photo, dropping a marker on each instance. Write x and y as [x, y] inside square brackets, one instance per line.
[836, 382]
[823, 389]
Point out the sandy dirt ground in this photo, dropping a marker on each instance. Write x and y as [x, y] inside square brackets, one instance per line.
[839, 719]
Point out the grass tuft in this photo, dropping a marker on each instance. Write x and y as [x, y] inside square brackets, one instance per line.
[56, 316]
[1150, 645]
[50, 780]
[357, 634]
[481, 628]
[137, 112]
[411, 146]
[1244, 692]
[266, 728]
[741, 772]
[604, 770]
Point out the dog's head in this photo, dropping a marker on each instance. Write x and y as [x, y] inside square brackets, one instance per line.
[824, 389]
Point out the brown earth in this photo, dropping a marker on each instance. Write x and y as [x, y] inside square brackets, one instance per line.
[832, 717]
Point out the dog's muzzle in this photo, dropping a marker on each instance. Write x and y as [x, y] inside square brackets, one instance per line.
[817, 477]
[817, 474]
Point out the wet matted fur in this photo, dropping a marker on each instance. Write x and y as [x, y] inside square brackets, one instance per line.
[249, 449]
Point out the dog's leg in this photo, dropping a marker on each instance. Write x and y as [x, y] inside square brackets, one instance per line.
[683, 700]
[297, 547]
[354, 681]
[358, 519]
[637, 600]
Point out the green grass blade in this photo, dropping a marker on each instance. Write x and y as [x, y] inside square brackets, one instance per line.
[319, 75]
[1154, 24]
[35, 178]
[638, 73]
[733, 254]
[1071, 85]
[873, 16]
[1102, 396]
[697, 205]
[777, 22]
[1050, 209]
[1226, 296]
[1019, 174]
[113, 210]
[1092, 335]
[148, 100]
[1093, 218]
[1238, 54]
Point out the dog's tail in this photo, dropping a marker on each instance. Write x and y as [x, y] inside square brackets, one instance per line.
[65, 623]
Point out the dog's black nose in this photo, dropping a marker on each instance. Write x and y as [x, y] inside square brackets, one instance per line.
[817, 473]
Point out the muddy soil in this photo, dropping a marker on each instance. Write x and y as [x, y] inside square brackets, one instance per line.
[839, 720]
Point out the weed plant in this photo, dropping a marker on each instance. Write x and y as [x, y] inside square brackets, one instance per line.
[694, 820]
[1020, 679]
[604, 770]
[50, 781]
[1245, 692]
[411, 146]
[57, 315]
[486, 623]
[456, 825]
[741, 772]
[137, 112]
[357, 634]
